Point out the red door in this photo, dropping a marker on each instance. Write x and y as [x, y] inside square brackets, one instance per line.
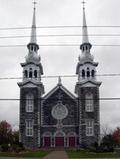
[47, 141]
[59, 141]
[71, 141]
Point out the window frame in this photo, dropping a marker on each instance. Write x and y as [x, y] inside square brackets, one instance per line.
[89, 127]
[29, 103]
[29, 127]
[89, 103]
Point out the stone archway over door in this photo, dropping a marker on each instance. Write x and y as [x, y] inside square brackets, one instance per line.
[72, 141]
[47, 139]
[60, 139]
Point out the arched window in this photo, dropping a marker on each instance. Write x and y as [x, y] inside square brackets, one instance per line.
[93, 73]
[30, 73]
[83, 73]
[83, 48]
[88, 72]
[86, 47]
[29, 102]
[35, 48]
[89, 105]
[35, 73]
[26, 73]
[31, 48]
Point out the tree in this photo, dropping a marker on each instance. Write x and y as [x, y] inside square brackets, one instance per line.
[105, 130]
[15, 137]
[107, 143]
[116, 136]
[5, 133]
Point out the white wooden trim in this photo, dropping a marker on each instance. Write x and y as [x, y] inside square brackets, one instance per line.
[64, 90]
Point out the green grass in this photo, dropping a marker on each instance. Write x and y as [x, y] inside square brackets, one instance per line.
[85, 154]
[34, 154]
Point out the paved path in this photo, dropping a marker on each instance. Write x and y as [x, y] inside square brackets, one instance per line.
[17, 158]
[57, 155]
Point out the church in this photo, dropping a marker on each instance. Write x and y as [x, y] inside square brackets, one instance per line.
[59, 118]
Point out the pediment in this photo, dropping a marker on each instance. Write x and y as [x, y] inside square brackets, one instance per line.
[29, 83]
[62, 89]
[89, 83]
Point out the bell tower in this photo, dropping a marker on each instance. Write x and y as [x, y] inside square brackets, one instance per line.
[87, 90]
[31, 90]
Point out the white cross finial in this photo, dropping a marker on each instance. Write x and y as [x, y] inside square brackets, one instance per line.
[34, 3]
[59, 80]
[83, 2]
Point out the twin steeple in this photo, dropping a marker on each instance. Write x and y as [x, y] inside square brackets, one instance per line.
[85, 47]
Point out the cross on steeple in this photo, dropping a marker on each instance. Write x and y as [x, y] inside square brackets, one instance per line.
[83, 2]
[34, 3]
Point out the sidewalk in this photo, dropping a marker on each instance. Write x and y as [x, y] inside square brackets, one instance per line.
[57, 155]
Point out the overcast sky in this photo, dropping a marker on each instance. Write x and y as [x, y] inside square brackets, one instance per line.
[60, 60]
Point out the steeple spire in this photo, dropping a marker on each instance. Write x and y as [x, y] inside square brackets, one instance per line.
[33, 31]
[84, 29]
[86, 67]
[33, 46]
[85, 46]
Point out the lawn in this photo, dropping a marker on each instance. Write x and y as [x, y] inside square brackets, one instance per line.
[34, 154]
[85, 154]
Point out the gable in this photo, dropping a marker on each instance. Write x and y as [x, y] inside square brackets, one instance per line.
[66, 101]
[29, 85]
[90, 83]
[59, 91]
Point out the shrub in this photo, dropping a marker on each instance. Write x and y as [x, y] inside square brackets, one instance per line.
[4, 147]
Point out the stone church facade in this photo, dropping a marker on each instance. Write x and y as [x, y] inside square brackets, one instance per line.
[59, 118]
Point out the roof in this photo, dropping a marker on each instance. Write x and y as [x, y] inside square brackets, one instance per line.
[60, 86]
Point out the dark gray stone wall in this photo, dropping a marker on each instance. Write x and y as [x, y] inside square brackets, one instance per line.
[48, 104]
[29, 142]
[74, 122]
[83, 115]
[69, 124]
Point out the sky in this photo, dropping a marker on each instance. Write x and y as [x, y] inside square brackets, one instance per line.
[59, 60]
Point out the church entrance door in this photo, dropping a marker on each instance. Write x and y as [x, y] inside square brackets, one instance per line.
[71, 141]
[59, 141]
[47, 141]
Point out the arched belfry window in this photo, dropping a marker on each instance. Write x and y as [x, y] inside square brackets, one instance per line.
[89, 104]
[93, 73]
[26, 73]
[31, 48]
[88, 72]
[35, 73]
[30, 73]
[83, 48]
[83, 73]
[29, 103]
[35, 49]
